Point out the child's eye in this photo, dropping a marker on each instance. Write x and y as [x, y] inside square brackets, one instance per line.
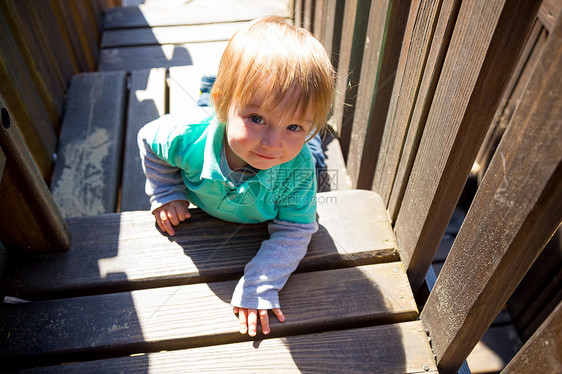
[294, 128]
[257, 119]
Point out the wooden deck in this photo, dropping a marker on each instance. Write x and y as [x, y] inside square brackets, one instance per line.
[126, 298]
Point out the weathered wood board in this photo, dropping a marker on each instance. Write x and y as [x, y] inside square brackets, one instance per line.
[170, 35]
[126, 251]
[167, 55]
[396, 348]
[87, 173]
[200, 314]
[147, 98]
[196, 12]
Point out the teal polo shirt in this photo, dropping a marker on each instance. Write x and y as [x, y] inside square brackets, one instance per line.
[286, 191]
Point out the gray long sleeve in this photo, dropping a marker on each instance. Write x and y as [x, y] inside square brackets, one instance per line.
[164, 182]
[266, 274]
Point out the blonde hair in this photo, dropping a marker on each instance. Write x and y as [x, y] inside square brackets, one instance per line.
[272, 61]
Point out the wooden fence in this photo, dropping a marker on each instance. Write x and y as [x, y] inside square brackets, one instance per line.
[36, 67]
[425, 90]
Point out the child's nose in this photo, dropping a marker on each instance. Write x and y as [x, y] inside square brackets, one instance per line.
[272, 139]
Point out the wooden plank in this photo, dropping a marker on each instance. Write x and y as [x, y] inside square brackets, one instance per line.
[352, 43]
[423, 37]
[167, 55]
[196, 12]
[2, 162]
[156, 319]
[366, 350]
[170, 35]
[29, 220]
[87, 173]
[462, 108]
[549, 12]
[521, 194]
[511, 96]
[59, 38]
[116, 252]
[387, 21]
[22, 22]
[439, 45]
[24, 103]
[185, 83]
[147, 97]
[542, 353]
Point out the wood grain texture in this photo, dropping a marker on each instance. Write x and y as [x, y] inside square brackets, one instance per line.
[87, 174]
[44, 76]
[193, 13]
[170, 35]
[387, 21]
[514, 213]
[199, 315]
[147, 96]
[418, 38]
[438, 50]
[125, 251]
[542, 353]
[167, 55]
[29, 220]
[2, 162]
[549, 12]
[352, 45]
[23, 101]
[372, 349]
[462, 109]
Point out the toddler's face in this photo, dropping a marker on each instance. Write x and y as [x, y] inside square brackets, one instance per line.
[263, 137]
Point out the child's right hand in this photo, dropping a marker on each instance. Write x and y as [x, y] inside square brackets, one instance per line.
[171, 214]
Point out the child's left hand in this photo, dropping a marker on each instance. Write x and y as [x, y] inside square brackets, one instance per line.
[249, 319]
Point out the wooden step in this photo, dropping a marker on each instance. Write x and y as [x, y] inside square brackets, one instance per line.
[170, 35]
[87, 173]
[395, 348]
[166, 55]
[117, 252]
[193, 13]
[147, 102]
[197, 315]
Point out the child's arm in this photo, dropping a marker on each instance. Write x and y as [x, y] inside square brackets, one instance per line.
[266, 274]
[164, 185]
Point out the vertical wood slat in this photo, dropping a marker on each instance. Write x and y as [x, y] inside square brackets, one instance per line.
[308, 15]
[512, 95]
[483, 51]
[30, 220]
[146, 103]
[23, 101]
[439, 47]
[426, 39]
[542, 353]
[514, 213]
[298, 13]
[22, 24]
[332, 28]
[352, 45]
[385, 30]
[2, 162]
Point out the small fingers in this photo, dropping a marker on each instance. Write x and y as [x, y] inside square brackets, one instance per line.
[279, 314]
[243, 319]
[264, 320]
[252, 322]
[182, 212]
[164, 222]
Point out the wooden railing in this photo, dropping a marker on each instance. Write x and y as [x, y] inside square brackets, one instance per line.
[36, 67]
[419, 86]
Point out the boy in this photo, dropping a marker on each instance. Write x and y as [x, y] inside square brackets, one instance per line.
[248, 163]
